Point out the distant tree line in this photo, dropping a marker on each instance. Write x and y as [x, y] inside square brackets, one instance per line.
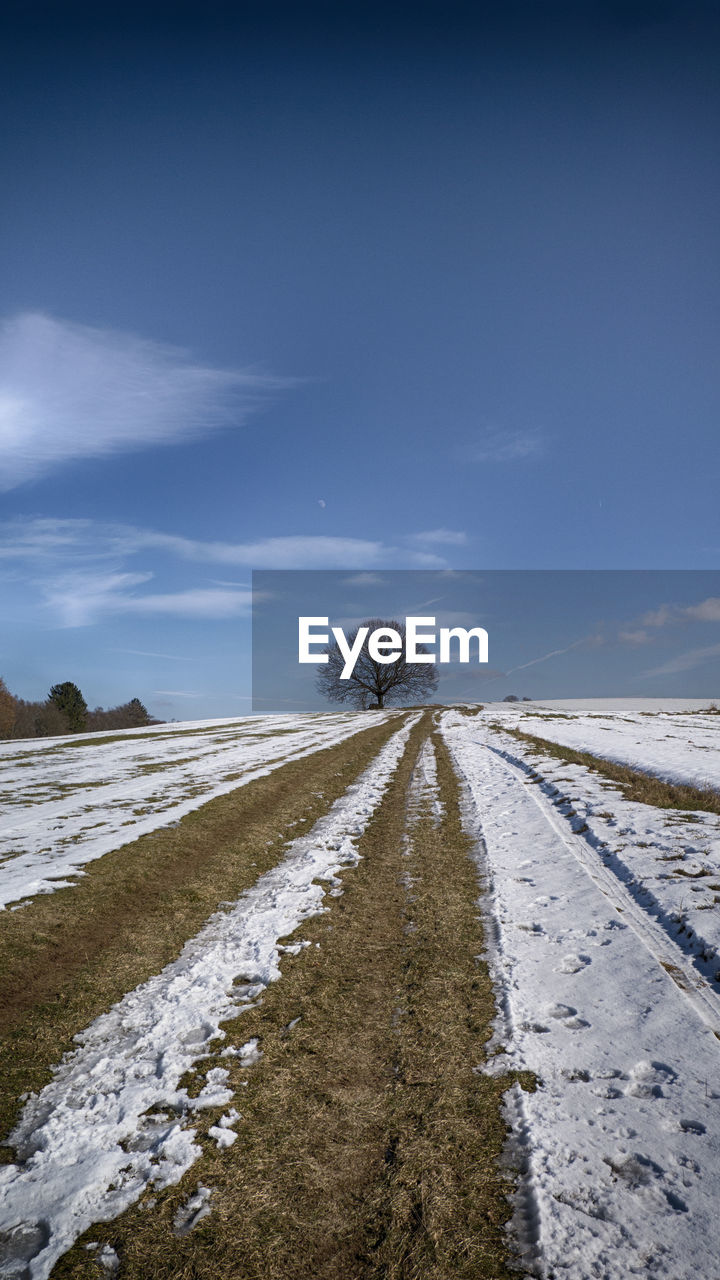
[65, 711]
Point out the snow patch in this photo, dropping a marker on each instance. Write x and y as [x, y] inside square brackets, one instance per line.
[114, 1118]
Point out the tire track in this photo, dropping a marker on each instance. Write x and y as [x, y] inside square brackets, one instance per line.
[619, 1143]
[667, 954]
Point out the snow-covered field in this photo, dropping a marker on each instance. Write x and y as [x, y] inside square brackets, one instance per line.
[676, 742]
[66, 801]
[603, 917]
[87, 1149]
[603, 926]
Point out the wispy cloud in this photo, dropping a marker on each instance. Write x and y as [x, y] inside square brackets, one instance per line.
[442, 537]
[202, 602]
[497, 444]
[425, 604]
[45, 539]
[554, 653]
[685, 661]
[295, 551]
[179, 693]
[364, 580]
[705, 611]
[79, 599]
[148, 653]
[661, 616]
[69, 391]
[84, 571]
[637, 637]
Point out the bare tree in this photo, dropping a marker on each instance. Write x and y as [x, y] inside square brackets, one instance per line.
[8, 710]
[372, 683]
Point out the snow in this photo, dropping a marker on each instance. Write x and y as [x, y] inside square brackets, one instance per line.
[618, 1150]
[114, 1118]
[66, 801]
[193, 1211]
[675, 745]
[603, 924]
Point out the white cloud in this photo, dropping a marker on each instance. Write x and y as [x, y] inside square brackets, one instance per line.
[202, 602]
[296, 551]
[79, 599]
[42, 539]
[81, 568]
[660, 617]
[69, 391]
[705, 611]
[48, 539]
[494, 444]
[634, 637]
[444, 537]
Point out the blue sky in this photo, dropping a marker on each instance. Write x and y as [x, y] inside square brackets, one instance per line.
[341, 287]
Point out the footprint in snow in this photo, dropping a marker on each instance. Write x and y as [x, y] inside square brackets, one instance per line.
[647, 1079]
[572, 964]
[692, 1126]
[559, 1011]
[566, 1014]
[605, 1090]
[634, 1169]
[574, 1074]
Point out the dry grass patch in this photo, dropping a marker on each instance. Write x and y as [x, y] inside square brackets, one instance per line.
[635, 784]
[367, 1145]
[443, 1204]
[69, 956]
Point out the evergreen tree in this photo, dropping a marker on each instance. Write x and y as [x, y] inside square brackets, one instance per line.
[69, 700]
[137, 714]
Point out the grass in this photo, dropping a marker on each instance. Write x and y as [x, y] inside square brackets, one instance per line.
[368, 1147]
[25, 759]
[68, 956]
[635, 784]
[83, 740]
[711, 710]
